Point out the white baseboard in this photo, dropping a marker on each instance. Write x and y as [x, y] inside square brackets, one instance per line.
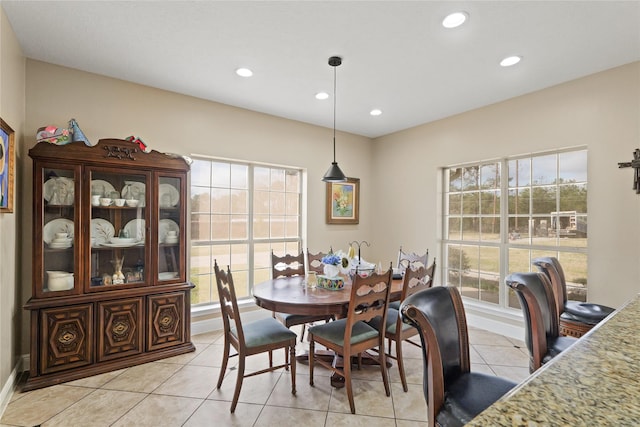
[10, 385]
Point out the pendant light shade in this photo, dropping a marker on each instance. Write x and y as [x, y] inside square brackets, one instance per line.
[334, 174]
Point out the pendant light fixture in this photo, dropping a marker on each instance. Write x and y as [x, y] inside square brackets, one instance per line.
[334, 174]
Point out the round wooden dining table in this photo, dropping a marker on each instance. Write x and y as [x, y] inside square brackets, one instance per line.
[292, 295]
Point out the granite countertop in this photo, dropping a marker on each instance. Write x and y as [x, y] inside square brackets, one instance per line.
[596, 382]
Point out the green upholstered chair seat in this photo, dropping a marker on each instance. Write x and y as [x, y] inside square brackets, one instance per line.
[266, 331]
[334, 332]
[395, 305]
[392, 318]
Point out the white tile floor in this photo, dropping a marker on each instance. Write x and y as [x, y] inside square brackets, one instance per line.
[180, 391]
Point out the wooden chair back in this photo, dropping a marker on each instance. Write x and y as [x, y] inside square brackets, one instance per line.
[551, 267]
[406, 259]
[314, 262]
[417, 279]
[229, 306]
[538, 306]
[369, 299]
[287, 265]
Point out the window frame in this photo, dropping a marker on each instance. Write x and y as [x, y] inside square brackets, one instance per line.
[250, 241]
[505, 244]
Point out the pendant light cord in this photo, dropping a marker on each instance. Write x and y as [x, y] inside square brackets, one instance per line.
[334, 114]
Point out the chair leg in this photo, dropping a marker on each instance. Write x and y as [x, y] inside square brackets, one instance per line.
[292, 351]
[346, 369]
[400, 361]
[225, 358]
[312, 348]
[270, 359]
[286, 359]
[236, 393]
[383, 368]
[302, 335]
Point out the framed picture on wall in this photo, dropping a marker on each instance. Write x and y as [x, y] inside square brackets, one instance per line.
[7, 166]
[343, 202]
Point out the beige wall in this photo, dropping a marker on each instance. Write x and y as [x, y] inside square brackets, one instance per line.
[601, 112]
[12, 111]
[109, 108]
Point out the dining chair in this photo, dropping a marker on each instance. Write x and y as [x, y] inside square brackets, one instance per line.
[453, 393]
[352, 335]
[575, 317]
[287, 266]
[415, 280]
[251, 338]
[540, 317]
[405, 259]
[314, 262]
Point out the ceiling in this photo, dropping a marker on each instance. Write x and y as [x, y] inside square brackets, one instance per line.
[396, 55]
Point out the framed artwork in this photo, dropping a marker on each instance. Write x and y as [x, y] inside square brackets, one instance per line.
[7, 166]
[343, 202]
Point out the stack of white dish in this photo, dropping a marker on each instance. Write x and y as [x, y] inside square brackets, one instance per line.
[171, 237]
[123, 241]
[61, 241]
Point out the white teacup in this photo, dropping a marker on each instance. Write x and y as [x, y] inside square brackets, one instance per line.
[105, 201]
[172, 233]
[119, 202]
[61, 236]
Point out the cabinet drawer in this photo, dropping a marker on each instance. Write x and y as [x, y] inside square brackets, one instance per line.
[67, 337]
[120, 328]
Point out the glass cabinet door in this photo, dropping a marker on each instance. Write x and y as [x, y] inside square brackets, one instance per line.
[59, 240]
[170, 227]
[119, 216]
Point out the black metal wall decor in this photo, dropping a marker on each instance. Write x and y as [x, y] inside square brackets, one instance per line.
[635, 164]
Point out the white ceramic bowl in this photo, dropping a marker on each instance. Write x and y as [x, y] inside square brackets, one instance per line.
[119, 202]
[132, 203]
[59, 280]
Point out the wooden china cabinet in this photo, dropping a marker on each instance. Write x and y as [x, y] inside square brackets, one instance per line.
[109, 259]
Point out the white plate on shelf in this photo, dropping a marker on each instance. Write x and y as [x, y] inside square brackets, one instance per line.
[169, 195]
[134, 190]
[136, 229]
[165, 225]
[60, 225]
[167, 275]
[101, 231]
[103, 188]
[121, 245]
[58, 191]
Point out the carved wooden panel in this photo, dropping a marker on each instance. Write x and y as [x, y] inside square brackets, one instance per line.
[67, 334]
[120, 330]
[166, 323]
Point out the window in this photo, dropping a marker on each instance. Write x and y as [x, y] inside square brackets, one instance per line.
[488, 236]
[239, 213]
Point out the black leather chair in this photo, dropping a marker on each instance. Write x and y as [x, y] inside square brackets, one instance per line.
[576, 317]
[454, 394]
[541, 320]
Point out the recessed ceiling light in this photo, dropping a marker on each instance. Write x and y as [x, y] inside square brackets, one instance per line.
[322, 95]
[244, 72]
[455, 19]
[510, 60]
[375, 112]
